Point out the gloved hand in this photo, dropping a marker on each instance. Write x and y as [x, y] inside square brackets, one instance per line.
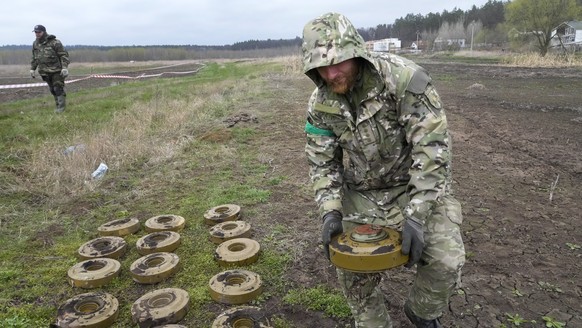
[332, 226]
[64, 72]
[32, 73]
[412, 241]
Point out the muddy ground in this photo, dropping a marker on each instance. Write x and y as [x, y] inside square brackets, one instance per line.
[517, 167]
[517, 162]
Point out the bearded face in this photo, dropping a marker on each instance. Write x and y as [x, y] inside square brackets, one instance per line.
[340, 77]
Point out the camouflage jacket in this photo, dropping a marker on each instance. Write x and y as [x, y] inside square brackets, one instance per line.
[49, 55]
[391, 128]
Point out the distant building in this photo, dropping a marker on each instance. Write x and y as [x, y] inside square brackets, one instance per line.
[418, 45]
[568, 35]
[449, 44]
[385, 45]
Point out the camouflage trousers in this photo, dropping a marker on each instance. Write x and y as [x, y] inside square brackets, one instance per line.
[437, 275]
[56, 83]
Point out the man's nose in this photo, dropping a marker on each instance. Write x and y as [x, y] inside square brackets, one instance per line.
[332, 71]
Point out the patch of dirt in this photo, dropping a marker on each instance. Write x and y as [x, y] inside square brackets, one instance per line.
[517, 167]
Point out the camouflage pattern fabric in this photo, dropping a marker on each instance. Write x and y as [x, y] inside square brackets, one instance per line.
[49, 55]
[439, 272]
[381, 154]
[409, 146]
[365, 299]
[330, 39]
[56, 83]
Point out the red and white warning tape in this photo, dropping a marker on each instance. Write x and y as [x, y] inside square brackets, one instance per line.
[96, 76]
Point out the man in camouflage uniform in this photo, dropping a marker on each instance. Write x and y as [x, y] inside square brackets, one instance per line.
[52, 60]
[379, 153]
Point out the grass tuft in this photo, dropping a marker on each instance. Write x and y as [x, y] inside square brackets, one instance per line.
[320, 298]
[549, 60]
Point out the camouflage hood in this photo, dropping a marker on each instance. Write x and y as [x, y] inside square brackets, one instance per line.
[330, 39]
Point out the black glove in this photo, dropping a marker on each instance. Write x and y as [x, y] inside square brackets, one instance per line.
[412, 241]
[332, 226]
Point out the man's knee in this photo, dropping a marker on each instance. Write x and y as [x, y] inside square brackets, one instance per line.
[444, 263]
[58, 90]
[358, 285]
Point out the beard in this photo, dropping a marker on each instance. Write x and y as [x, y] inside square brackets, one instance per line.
[340, 85]
[344, 83]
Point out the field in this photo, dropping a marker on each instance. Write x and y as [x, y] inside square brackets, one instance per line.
[517, 168]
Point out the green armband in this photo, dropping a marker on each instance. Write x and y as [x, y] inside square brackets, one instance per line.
[309, 128]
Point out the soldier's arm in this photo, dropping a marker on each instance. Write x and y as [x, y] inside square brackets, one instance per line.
[325, 161]
[426, 130]
[33, 62]
[62, 53]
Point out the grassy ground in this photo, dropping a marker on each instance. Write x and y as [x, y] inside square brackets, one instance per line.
[182, 145]
[168, 152]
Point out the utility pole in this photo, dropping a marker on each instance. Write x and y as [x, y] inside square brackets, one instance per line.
[472, 31]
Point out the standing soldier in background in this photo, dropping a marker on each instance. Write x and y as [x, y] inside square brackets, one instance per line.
[379, 153]
[52, 60]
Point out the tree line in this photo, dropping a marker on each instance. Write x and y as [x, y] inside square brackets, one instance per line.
[517, 24]
[409, 28]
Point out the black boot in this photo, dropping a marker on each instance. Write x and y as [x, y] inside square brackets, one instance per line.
[420, 322]
[61, 104]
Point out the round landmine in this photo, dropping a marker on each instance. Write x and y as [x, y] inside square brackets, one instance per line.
[166, 222]
[120, 228]
[90, 310]
[224, 231]
[238, 251]
[367, 248]
[160, 307]
[112, 247]
[242, 317]
[222, 213]
[93, 273]
[235, 286]
[159, 241]
[155, 267]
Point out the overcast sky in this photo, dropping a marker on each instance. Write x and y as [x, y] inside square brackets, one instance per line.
[194, 22]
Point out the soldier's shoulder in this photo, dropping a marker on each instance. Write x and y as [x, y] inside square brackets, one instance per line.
[53, 39]
[419, 81]
[403, 73]
[54, 42]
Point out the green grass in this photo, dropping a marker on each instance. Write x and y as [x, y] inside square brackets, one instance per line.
[320, 298]
[41, 229]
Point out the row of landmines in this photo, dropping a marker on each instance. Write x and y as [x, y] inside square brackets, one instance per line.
[164, 307]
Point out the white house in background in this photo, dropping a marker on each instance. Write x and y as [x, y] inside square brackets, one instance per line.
[386, 45]
[568, 34]
[443, 44]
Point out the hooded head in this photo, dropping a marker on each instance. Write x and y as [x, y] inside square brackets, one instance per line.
[330, 39]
